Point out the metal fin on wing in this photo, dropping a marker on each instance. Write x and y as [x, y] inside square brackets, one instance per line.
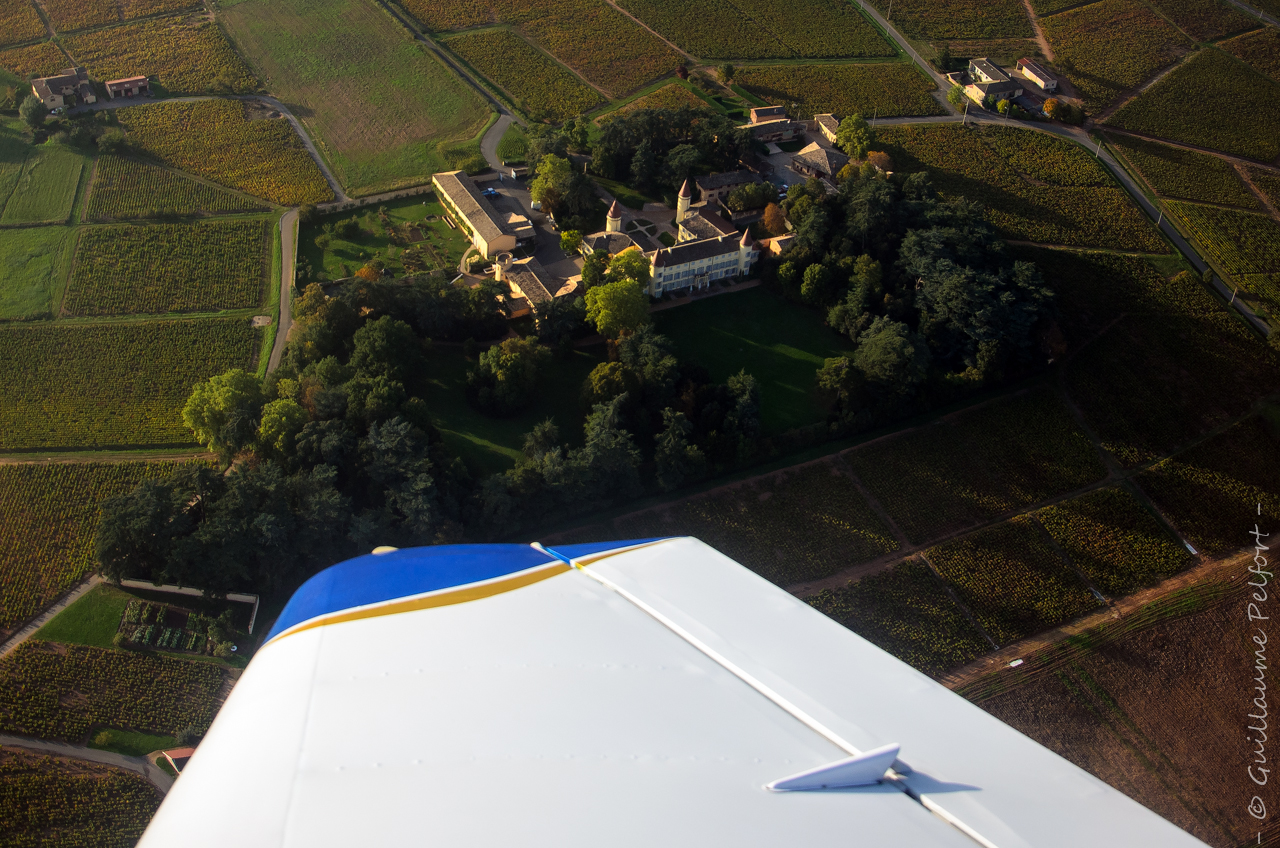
[862, 770]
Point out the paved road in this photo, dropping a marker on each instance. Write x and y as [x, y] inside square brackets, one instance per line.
[939, 79]
[1271, 19]
[1081, 137]
[141, 765]
[489, 144]
[41, 620]
[288, 267]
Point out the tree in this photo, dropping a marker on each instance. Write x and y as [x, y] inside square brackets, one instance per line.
[751, 196]
[726, 72]
[553, 181]
[282, 421]
[891, 357]
[593, 269]
[1002, 106]
[557, 319]
[569, 241]
[223, 413]
[1051, 107]
[839, 381]
[137, 530]
[387, 348]
[113, 141]
[880, 160]
[618, 306]
[506, 376]
[854, 136]
[644, 164]
[944, 57]
[605, 382]
[956, 96]
[32, 112]
[630, 264]
[775, 221]
[816, 286]
[676, 459]
[681, 161]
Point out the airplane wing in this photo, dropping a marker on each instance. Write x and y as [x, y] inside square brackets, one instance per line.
[640, 693]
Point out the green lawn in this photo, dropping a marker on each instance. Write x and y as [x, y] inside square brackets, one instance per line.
[625, 194]
[130, 743]
[781, 344]
[343, 258]
[91, 620]
[46, 189]
[383, 109]
[32, 262]
[489, 444]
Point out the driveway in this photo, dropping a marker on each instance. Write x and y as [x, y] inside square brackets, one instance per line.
[514, 197]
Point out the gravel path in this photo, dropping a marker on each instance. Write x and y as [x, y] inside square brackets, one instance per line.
[288, 267]
[140, 765]
[43, 618]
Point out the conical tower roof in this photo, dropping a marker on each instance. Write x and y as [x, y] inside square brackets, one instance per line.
[684, 190]
[615, 211]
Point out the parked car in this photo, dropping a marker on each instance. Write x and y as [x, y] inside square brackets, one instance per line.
[490, 192]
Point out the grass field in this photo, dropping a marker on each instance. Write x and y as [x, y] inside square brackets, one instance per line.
[79, 14]
[343, 257]
[1112, 45]
[1212, 492]
[48, 515]
[489, 444]
[179, 55]
[111, 385]
[45, 190]
[54, 801]
[540, 86]
[32, 267]
[92, 620]
[1185, 106]
[1081, 206]
[1185, 174]
[907, 612]
[1260, 49]
[131, 743]
[34, 60]
[982, 463]
[19, 22]
[888, 90]
[1012, 580]
[123, 189]
[215, 139]
[778, 342]
[1111, 537]
[948, 20]
[379, 105]
[115, 689]
[802, 524]
[162, 268]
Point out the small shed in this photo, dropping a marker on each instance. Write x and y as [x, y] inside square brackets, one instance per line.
[128, 87]
[178, 757]
[1038, 75]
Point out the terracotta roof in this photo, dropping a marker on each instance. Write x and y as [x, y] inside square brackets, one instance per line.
[615, 211]
[747, 240]
[659, 258]
[126, 81]
[684, 190]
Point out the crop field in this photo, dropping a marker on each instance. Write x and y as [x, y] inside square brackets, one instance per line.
[1112, 538]
[48, 515]
[801, 524]
[51, 801]
[1044, 8]
[1185, 174]
[928, 20]
[19, 22]
[907, 612]
[45, 189]
[80, 14]
[180, 56]
[820, 29]
[954, 473]
[215, 140]
[111, 385]
[1113, 45]
[31, 270]
[1045, 157]
[1268, 183]
[1012, 580]
[716, 29]
[1205, 20]
[1260, 49]
[159, 268]
[34, 60]
[379, 105]
[55, 691]
[540, 86]
[1211, 493]
[1245, 246]
[1186, 106]
[673, 96]
[888, 90]
[1093, 212]
[1091, 289]
[1141, 706]
[1154, 383]
[124, 189]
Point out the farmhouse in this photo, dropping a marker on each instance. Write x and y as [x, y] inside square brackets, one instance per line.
[1038, 75]
[491, 231]
[818, 161]
[707, 249]
[716, 188]
[827, 124]
[775, 130]
[54, 91]
[987, 80]
[128, 87]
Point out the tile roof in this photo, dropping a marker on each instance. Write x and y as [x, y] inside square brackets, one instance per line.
[616, 242]
[532, 279]
[726, 178]
[992, 73]
[821, 159]
[705, 224]
[827, 121]
[462, 193]
[693, 251]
